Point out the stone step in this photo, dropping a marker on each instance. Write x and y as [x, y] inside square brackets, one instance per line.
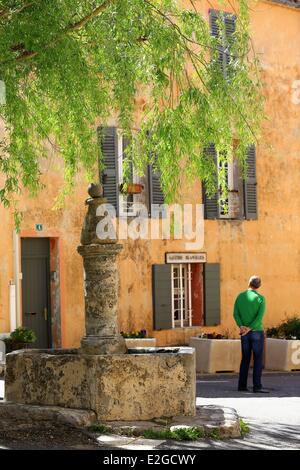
[20, 416]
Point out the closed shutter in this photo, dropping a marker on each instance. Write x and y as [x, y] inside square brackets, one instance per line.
[212, 294]
[211, 205]
[162, 296]
[156, 195]
[223, 58]
[109, 175]
[250, 185]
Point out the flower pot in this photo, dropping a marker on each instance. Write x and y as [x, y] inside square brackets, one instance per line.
[216, 355]
[131, 188]
[282, 354]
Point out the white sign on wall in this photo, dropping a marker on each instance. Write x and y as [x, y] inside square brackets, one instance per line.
[185, 258]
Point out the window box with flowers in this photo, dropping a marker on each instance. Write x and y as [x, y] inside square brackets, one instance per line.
[138, 339]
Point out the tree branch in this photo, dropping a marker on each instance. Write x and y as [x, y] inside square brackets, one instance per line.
[73, 27]
[6, 13]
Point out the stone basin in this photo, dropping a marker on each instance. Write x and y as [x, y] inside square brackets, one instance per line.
[122, 387]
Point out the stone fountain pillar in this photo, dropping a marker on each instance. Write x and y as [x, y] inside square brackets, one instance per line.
[101, 283]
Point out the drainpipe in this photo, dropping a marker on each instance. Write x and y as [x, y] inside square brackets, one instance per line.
[15, 319]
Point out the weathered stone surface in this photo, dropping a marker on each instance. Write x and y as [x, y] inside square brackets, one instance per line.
[101, 300]
[227, 425]
[140, 342]
[118, 387]
[20, 416]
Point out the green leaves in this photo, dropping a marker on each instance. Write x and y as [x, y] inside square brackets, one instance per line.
[69, 63]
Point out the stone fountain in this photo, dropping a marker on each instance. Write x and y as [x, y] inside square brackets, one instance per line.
[101, 376]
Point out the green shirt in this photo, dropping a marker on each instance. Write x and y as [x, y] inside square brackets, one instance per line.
[249, 309]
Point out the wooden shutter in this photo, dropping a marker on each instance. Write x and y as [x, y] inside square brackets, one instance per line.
[109, 175]
[162, 296]
[212, 294]
[224, 47]
[250, 185]
[211, 205]
[156, 195]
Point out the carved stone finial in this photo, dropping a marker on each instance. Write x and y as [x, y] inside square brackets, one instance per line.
[95, 190]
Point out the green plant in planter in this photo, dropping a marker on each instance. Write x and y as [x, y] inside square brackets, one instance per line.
[19, 338]
[135, 334]
[289, 329]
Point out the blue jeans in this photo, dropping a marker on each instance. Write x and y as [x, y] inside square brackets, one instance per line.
[252, 341]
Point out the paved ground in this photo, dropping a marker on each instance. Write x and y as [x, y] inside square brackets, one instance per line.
[274, 419]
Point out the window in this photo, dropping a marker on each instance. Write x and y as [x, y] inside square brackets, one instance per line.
[241, 201]
[224, 36]
[181, 295]
[126, 201]
[113, 145]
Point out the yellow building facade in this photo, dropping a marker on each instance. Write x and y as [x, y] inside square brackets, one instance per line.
[175, 298]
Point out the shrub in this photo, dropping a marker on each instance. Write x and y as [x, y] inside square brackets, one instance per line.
[23, 335]
[135, 334]
[289, 329]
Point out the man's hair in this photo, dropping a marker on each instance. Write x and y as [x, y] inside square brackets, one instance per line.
[255, 282]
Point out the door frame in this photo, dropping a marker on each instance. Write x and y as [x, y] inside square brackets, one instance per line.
[55, 286]
[48, 287]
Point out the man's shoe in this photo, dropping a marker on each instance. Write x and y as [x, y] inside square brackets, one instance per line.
[261, 390]
[243, 389]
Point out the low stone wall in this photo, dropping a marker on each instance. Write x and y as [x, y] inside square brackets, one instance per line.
[120, 387]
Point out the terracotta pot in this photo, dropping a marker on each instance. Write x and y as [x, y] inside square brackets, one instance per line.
[132, 188]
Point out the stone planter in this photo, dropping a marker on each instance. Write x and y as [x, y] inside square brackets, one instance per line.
[217, 355]
[140, 342]
[282, 354]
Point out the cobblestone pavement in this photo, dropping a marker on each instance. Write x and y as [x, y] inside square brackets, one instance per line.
[274, 419]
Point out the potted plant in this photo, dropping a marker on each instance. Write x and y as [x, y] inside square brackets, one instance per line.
[216, 352]
[283, 345]
[131, 188]
[138, 339]
[20, 338]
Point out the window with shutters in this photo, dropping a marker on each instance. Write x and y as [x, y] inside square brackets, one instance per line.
[113, 149]
[178, 295]
[223, 26]
[241, 198]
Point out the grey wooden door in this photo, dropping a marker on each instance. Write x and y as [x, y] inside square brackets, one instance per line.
[36, 289]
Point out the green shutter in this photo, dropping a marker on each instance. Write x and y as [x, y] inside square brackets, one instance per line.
[109, 175]
[250, 185]
[156, 195]
[162, 296]
[212, 294]
[211, 205]
[224, 46]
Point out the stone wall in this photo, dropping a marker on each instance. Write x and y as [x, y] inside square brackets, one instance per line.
[120, 387]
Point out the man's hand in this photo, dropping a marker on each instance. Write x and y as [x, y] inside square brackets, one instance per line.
[244, 330]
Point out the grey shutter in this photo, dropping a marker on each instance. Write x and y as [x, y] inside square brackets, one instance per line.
[162, 296]
[109, 175]
[156, 195]
[250, 185]
[212, 294]
[230, 26]
[211, 205]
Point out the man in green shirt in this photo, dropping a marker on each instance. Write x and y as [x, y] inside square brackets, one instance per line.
[249, 309]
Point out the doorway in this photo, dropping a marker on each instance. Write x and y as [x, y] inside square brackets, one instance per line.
[36, 310]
